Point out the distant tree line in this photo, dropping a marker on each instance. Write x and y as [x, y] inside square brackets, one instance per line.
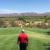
[26, 21]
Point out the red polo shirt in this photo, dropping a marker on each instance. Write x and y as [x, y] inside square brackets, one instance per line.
[23, 38]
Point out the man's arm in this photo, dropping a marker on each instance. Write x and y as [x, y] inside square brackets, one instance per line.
[27, 40]
[18, 40]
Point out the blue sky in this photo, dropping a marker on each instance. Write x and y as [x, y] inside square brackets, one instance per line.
[10, 6]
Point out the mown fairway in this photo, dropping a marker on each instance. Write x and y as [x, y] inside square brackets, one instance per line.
[8, 39]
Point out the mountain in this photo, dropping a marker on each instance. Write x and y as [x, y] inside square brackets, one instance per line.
[26, 14]
[45, 14]
[11, 14]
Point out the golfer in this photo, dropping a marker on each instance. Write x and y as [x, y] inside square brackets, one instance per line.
[22, 40]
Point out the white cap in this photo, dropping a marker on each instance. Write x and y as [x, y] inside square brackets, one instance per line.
[23, 30]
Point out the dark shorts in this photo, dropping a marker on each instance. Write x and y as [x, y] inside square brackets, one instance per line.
[23, 46]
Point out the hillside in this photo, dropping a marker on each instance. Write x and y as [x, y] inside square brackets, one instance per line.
[26, 14]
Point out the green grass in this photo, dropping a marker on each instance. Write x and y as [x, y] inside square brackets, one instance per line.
[7, 31]
[8, 40]
[38, 30]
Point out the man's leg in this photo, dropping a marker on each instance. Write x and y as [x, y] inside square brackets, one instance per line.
[20, 46]
[25, 47]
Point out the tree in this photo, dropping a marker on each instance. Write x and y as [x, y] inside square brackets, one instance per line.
[1, 22]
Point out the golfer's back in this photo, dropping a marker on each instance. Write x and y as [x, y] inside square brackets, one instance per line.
[23, 38]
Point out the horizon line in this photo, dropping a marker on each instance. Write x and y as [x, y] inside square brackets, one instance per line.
[4, 11]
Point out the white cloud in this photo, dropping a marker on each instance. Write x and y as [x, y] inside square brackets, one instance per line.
[7, 11]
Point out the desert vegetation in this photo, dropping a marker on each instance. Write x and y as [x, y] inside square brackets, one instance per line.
[26, 21]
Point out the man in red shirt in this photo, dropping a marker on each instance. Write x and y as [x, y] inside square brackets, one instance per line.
[22, 40]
